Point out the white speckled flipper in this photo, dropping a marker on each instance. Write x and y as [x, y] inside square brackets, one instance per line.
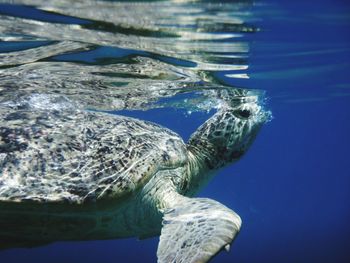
[196, 230]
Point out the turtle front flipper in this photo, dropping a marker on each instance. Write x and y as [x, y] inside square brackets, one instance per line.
[195, 230]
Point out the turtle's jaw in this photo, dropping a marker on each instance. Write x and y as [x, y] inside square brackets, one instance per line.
[226, 136]
[246, 123]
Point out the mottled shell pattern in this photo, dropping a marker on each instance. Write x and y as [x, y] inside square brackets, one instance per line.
[80, 156]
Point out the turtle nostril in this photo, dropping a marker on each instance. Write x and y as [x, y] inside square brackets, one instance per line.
[243, 113]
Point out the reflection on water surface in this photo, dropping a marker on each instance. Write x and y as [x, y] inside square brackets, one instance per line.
[120, 55]
[169, 58]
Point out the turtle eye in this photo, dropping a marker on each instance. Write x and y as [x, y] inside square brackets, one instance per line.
[244, 114]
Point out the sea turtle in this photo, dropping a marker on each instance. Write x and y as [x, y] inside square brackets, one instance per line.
[83, 175]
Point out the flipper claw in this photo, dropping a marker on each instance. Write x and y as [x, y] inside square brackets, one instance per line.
[196, 230]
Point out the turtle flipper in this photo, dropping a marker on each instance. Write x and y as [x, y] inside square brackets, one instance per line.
[196, 230]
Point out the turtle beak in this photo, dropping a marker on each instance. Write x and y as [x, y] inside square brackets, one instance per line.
[253, 107]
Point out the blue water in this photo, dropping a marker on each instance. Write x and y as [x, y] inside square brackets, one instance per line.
[292, 189]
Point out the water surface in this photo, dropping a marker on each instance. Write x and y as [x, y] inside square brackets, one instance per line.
[158, 60]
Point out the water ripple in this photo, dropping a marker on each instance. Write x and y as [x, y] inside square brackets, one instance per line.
[120, 55]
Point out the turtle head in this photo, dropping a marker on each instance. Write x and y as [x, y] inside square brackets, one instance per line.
[227, 135]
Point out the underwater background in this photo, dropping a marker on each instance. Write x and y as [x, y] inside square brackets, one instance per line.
[154, 59]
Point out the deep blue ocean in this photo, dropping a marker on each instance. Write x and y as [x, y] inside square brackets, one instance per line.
[291, 189]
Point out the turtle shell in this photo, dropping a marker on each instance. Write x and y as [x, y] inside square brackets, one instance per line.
[80, 156]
